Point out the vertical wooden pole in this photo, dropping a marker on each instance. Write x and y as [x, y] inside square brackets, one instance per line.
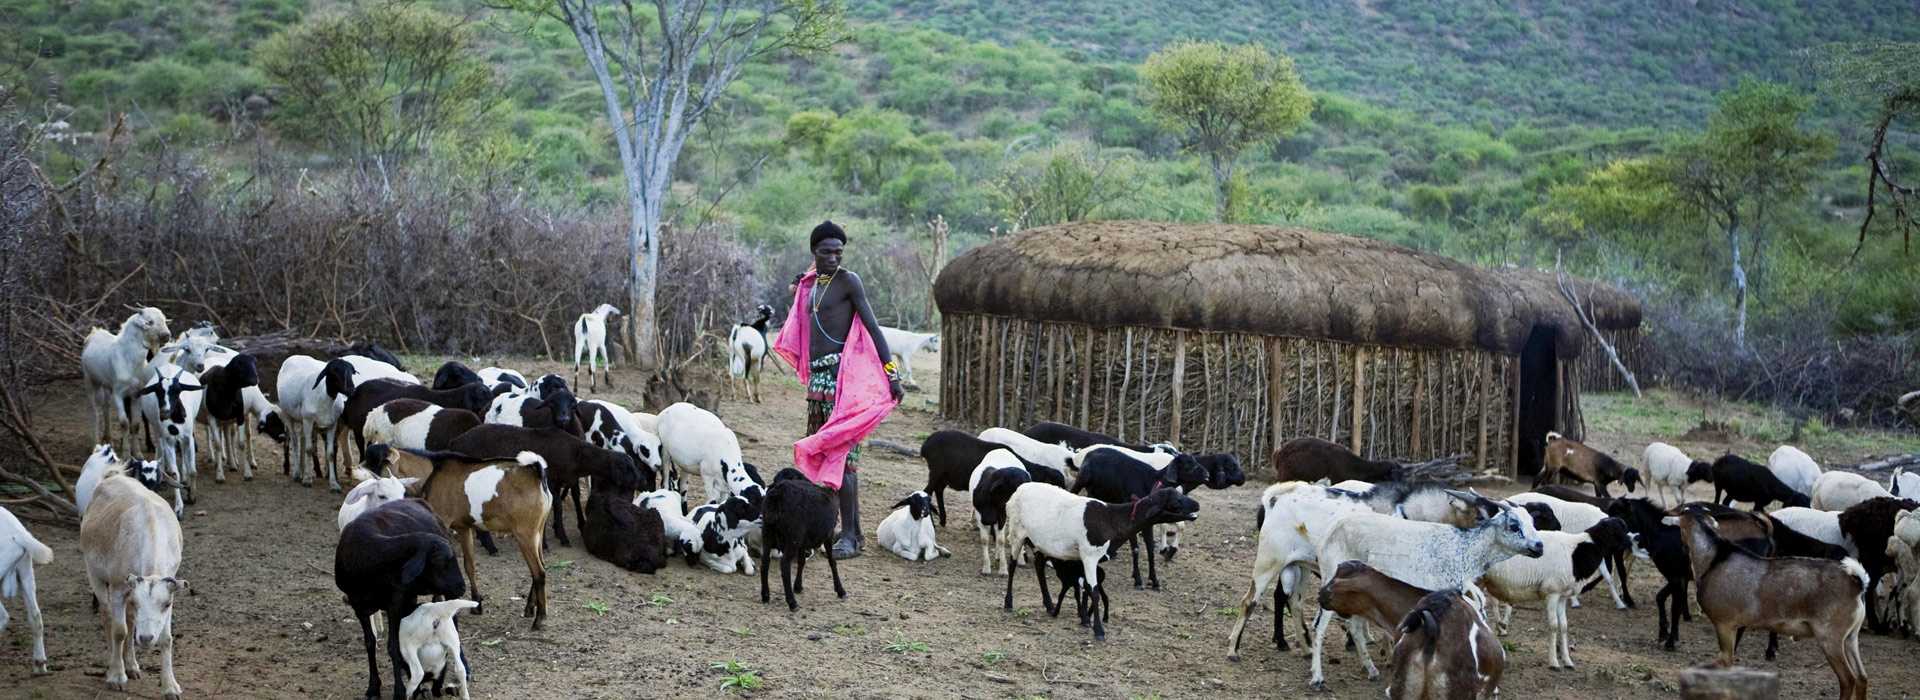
[1179, 384]
[1359, 398]
[1276, 392]
[1419, 394]
[1085, 362]
[1058, 410]
[1126, 377]
[1486, 405]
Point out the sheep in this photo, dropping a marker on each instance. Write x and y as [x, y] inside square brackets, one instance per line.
[367, 368]
[1795, 468]
[496, 376]
[621, 533]
[693, 438]
[683, 537]
[1581, 463]
[19, 553]
[1742, 480]
[1838, 490]
[478, 493]
[1295, 518]
[226, 413]
[901, 346]
[1429, 555]
[1868, 525]
[799, 518]
[1313, 459]
[1821, 525]
[1446, 650]
[170, 406]
[567, 460]
[1057, 455]
[114, 366]
[608, 425]
[385, 560]
[417, 425]
[747, 354]
[1574, 516]
[369, 395]
[951, 457]
[1570, 560]
[1061, 433]
[724, 527]
[1073, 574]
[992, 483]
[312, 395]
[372, 492]
[590, 339]
[1670, 468]
[1791, 595]
[430, 646]
[1115, 477]
[130, 541]
[908, 530]
[559, 410]
[1060, 525]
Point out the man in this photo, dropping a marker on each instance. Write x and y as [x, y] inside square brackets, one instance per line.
[844, 367]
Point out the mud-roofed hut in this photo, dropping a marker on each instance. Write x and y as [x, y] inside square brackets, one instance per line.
[1237, 338]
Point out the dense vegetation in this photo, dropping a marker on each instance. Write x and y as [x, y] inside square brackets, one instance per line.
[1498, 134]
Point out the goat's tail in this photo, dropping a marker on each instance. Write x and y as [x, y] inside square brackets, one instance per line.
[737, 360]
[1859, 572]
[41, 553]
[528, 458]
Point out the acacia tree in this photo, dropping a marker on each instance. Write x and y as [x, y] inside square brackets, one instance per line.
[1223, 99]
[1888, 74]
[660, 67]
[1066, 182]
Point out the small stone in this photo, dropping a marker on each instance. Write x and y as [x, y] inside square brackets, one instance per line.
[306, 625]
[813, 636]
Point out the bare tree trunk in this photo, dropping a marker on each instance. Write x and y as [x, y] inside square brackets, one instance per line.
[1222, 186]
[1739, 284]
[1586, 319]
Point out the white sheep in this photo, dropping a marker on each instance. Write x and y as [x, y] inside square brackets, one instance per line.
[625, 434]
[1670, 468]
[747, 354]
[312, 396]
[115, 366]
[1903, 483]
[19, 553]
[1576, 517]
[430, 644]
[1823, 525]
[170, 406]
[370, 493]
[908, 532]
[1837, 491]
[726, 524]
[589, 340]
[901, 346]
[693, 438]
[1057, 456]
[1794, 468]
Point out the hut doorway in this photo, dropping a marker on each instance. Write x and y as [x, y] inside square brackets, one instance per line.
[1539, 398]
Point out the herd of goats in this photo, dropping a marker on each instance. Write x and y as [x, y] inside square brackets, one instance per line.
[480, 452]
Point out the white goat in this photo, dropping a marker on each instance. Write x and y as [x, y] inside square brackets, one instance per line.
[102, 462]
[1837, 491]
[589, 339]
[908, 532]
[495, 376]
[19, 553]
[366, 369]
[1903, 483]
[903, 344]
[1577, 517]
[370, 493]
[170, 406]
[430, 644]
[1569, 560]
[680, 530]
[1296, 519]
[1057, 456]
[693, 438]
[994, 545]
[114, 366]
[747, 354]
[1823, 525]
[1794, 468]
[131, 545]
[1670, 468]
[1433, 556]
[312, 395]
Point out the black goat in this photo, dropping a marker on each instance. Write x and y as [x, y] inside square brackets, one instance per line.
[799, 518]
[1055, 433]
[453, 374]
[386, 559]
[1115, 477]
[622, 533]
[1741, 480]
[1867, 525]
[951, 457]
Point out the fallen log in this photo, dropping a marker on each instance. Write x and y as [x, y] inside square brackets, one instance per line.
[1889, 463]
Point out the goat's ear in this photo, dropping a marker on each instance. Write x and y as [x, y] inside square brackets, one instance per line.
[409, 483]
[1670, 520]
[173, 347]
[414, 567]
[361, 474]
[191, 388]
[904, 502]
[176, 585]
[1324, 481]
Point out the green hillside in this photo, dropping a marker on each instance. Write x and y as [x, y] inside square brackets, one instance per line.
[1613, 62]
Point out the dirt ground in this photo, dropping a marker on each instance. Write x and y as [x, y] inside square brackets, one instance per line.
[265, 618]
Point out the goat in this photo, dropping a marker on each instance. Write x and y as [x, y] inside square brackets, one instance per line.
[1061, 433]
[430, 646]
[1115, 477]
[115, 366]
[747, 354]
[1868, 525]
[1358, 590]
[372, 492]
[1446, 650]
[559, 411]
[496, 495]
[799, 518]
[386, 559]
[19, 553]
[902, 344]
[693, 438]
[131, 541]
[908, 531]
[1055, 455]
[1574, 516]
[312, 395]
[1294, 518]
[1667, 549]
[417, 425]
[621, 533]
[1796, 596]
[1794, 468]
[567, 460]
[1313, 459]
[610, 426]
[1060, 525]
[1570, 560]
[992, 483]
[1742, 480]
[170, 406]
[589, 339]
[951, 457]
[1429, 555]
[373, 394]
[104, 462]
[1565, 457]
[1837, 490]
[1669, 468]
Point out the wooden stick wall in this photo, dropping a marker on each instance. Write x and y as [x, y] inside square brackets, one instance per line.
[1597, 374]
[1228, 392]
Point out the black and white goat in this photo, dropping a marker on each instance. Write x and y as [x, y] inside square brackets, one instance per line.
[747, 354]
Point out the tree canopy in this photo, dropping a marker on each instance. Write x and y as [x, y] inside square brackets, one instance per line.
[1223, 99]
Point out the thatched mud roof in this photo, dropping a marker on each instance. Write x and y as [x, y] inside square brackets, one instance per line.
[1267, 280]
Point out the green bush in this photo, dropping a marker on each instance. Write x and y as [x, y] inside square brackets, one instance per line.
[166, 83]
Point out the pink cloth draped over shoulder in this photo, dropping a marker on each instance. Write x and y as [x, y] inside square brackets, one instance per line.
[861, 401]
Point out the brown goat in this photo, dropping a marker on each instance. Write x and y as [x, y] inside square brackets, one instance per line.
[1796, 596]
[1584, 464]
[568, 460]
[1445, 650]
[1312, 459]
[1358, 590]
[516, 501]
